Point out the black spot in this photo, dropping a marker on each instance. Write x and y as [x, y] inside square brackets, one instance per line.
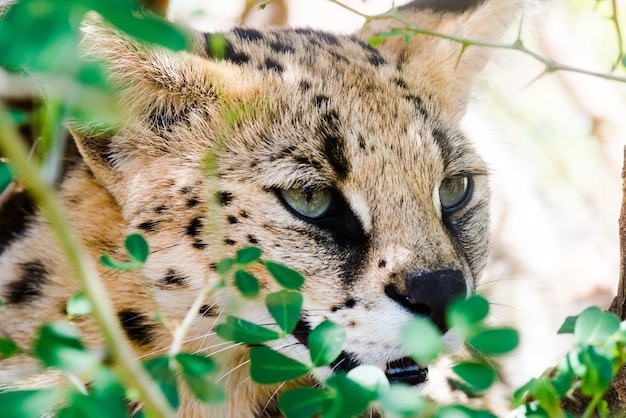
[192, 202]
[148, 226]
[224, 198]
[382, 264]
[350, 303]
[438, 6]
[400, 83]
[186, 190]
[235, 57]
[304, 85]
[282, 48]
[195, 227]
[244, 214]
[229, 241]
[199, 244]
[321, 100]
[252, 239]
[376, 59]
[362, 143]
[213, 266]
[418, 103]
[137, 326]
[334, 147]
[160, 209]
[248, 34]
[173, 278]
[232, 220]
[15, 216]
[273, 65]
[326, 37]
[207, 310]
[29, 286]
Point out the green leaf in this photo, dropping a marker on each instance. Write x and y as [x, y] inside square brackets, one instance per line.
[285, 307]
[109, 393]
[371, 378]
[58, 345]
[594, 325]
[465, 313]
[402, 400]
[8, 348]
[137, 247]
[478, 376]
[303, 402]
[28, 403]
[422, 340]
[81, 406]
[547, 397]
[495, 341]
[568, 325]
[5, 176]
[1, 303]
[196, 364]
[108, 262]
[204, 389]
[286, 277]
[460, 411]
[267, 366]
[159, 369]
[248, 255]
[195, 368]
[78, 305]
[350, 398]
[242, 331]
[599, 371]
[325, 343]
[145, 27]
[623, 60]
[224, 265]
[247, 284]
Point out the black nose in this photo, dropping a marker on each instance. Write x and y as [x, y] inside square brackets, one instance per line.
[429, 293]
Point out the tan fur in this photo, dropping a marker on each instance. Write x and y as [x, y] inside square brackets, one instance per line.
[395, 115]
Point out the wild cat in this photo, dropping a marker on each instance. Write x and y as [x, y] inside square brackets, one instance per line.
[348, 165]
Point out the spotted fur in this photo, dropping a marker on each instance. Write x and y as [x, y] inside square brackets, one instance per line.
[277, 109]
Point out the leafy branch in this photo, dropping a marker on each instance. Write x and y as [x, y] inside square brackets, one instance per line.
[83, 269]
[410, 29]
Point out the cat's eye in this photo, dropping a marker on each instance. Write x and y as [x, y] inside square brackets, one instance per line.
[454, 192]
[309, 201]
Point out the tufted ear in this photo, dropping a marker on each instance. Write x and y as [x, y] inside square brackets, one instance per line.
[165, 96]
[443, 63]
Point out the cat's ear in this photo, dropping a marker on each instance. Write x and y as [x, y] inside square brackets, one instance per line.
[172, 101]
[443, 63]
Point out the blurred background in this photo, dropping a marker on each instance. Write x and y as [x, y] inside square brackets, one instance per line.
[555, 144]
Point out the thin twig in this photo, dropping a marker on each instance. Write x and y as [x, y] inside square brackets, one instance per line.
[618, 34]
[517, 45]
[83, 268]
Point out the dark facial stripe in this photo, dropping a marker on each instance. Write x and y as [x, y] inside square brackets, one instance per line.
[137, 326]
[334, 144]
[15, 215]
[438, 6]
[29, 286]
[451, 147]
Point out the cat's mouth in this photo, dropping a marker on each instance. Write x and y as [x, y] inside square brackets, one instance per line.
[402, 370]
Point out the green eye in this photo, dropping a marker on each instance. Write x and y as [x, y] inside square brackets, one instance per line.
[454, 192]
[309, 202]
